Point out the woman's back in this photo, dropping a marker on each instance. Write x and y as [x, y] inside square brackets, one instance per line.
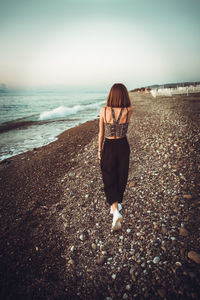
[106, 113]
[116, 121]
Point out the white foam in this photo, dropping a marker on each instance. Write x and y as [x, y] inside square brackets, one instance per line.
[63, 111]
[59, 112]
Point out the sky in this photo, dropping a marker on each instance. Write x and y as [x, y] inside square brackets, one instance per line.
[95, 43]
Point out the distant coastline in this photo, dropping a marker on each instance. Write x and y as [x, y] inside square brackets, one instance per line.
[6, 89]
[167, 86]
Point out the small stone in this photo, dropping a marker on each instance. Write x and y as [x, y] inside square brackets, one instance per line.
[186, 219]
[100, 260]
[71, 262]
[194, 256]
[156, 226]
[125, 296]
[113, 276]
[65, 225]
[163, 248]
[101, 247]
[82, 237]
[131, 271]
[173, 240]
[128, 287]
[133, 277]
[72, 248]
[161, 292]
[156, 259]
[183, 231]
[36, 248]
[71, 174]
[128, 230]
[94, 246]
[121, 237]
[132, 184]
[86, 196]
[178, 264]
[187, 196]
[164, 229]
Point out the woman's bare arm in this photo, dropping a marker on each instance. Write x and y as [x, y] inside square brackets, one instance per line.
[101, 132]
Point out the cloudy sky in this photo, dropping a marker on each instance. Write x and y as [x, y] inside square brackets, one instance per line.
[94, 43]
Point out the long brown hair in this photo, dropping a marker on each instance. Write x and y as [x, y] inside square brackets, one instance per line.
[118, 96]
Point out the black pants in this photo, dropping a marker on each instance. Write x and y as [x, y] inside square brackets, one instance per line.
[114, 168]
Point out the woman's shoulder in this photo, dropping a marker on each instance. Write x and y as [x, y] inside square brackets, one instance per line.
[102, 110]
[130, 109]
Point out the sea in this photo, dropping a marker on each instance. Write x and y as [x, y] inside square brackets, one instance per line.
[31, 119]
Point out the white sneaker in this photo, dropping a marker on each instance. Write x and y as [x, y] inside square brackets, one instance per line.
[119, 208]
[117, 218]
[118, 226]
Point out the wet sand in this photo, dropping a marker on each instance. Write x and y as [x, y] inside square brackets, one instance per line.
[56, 241]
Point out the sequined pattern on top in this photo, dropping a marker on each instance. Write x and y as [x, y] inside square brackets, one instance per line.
[116, 129]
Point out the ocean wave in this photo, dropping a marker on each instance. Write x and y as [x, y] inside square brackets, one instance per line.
[59, 112]
[63, 111]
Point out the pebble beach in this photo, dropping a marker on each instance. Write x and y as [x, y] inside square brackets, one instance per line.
[56, 239]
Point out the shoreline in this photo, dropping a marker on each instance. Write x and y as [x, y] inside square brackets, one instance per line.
[55, 222]
[53, 139]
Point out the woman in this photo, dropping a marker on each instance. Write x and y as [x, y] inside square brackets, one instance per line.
[113, 125]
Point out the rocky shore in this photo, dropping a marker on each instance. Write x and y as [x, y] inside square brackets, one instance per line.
[56, 240]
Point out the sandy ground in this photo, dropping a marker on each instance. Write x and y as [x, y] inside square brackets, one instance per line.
[56, 240]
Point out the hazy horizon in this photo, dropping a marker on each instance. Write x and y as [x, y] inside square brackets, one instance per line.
[92, 44]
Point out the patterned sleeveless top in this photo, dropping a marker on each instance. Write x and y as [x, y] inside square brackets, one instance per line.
[116, 129]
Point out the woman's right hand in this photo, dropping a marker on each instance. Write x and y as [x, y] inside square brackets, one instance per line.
[99, 154]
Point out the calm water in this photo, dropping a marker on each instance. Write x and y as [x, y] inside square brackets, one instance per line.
[34, 119]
